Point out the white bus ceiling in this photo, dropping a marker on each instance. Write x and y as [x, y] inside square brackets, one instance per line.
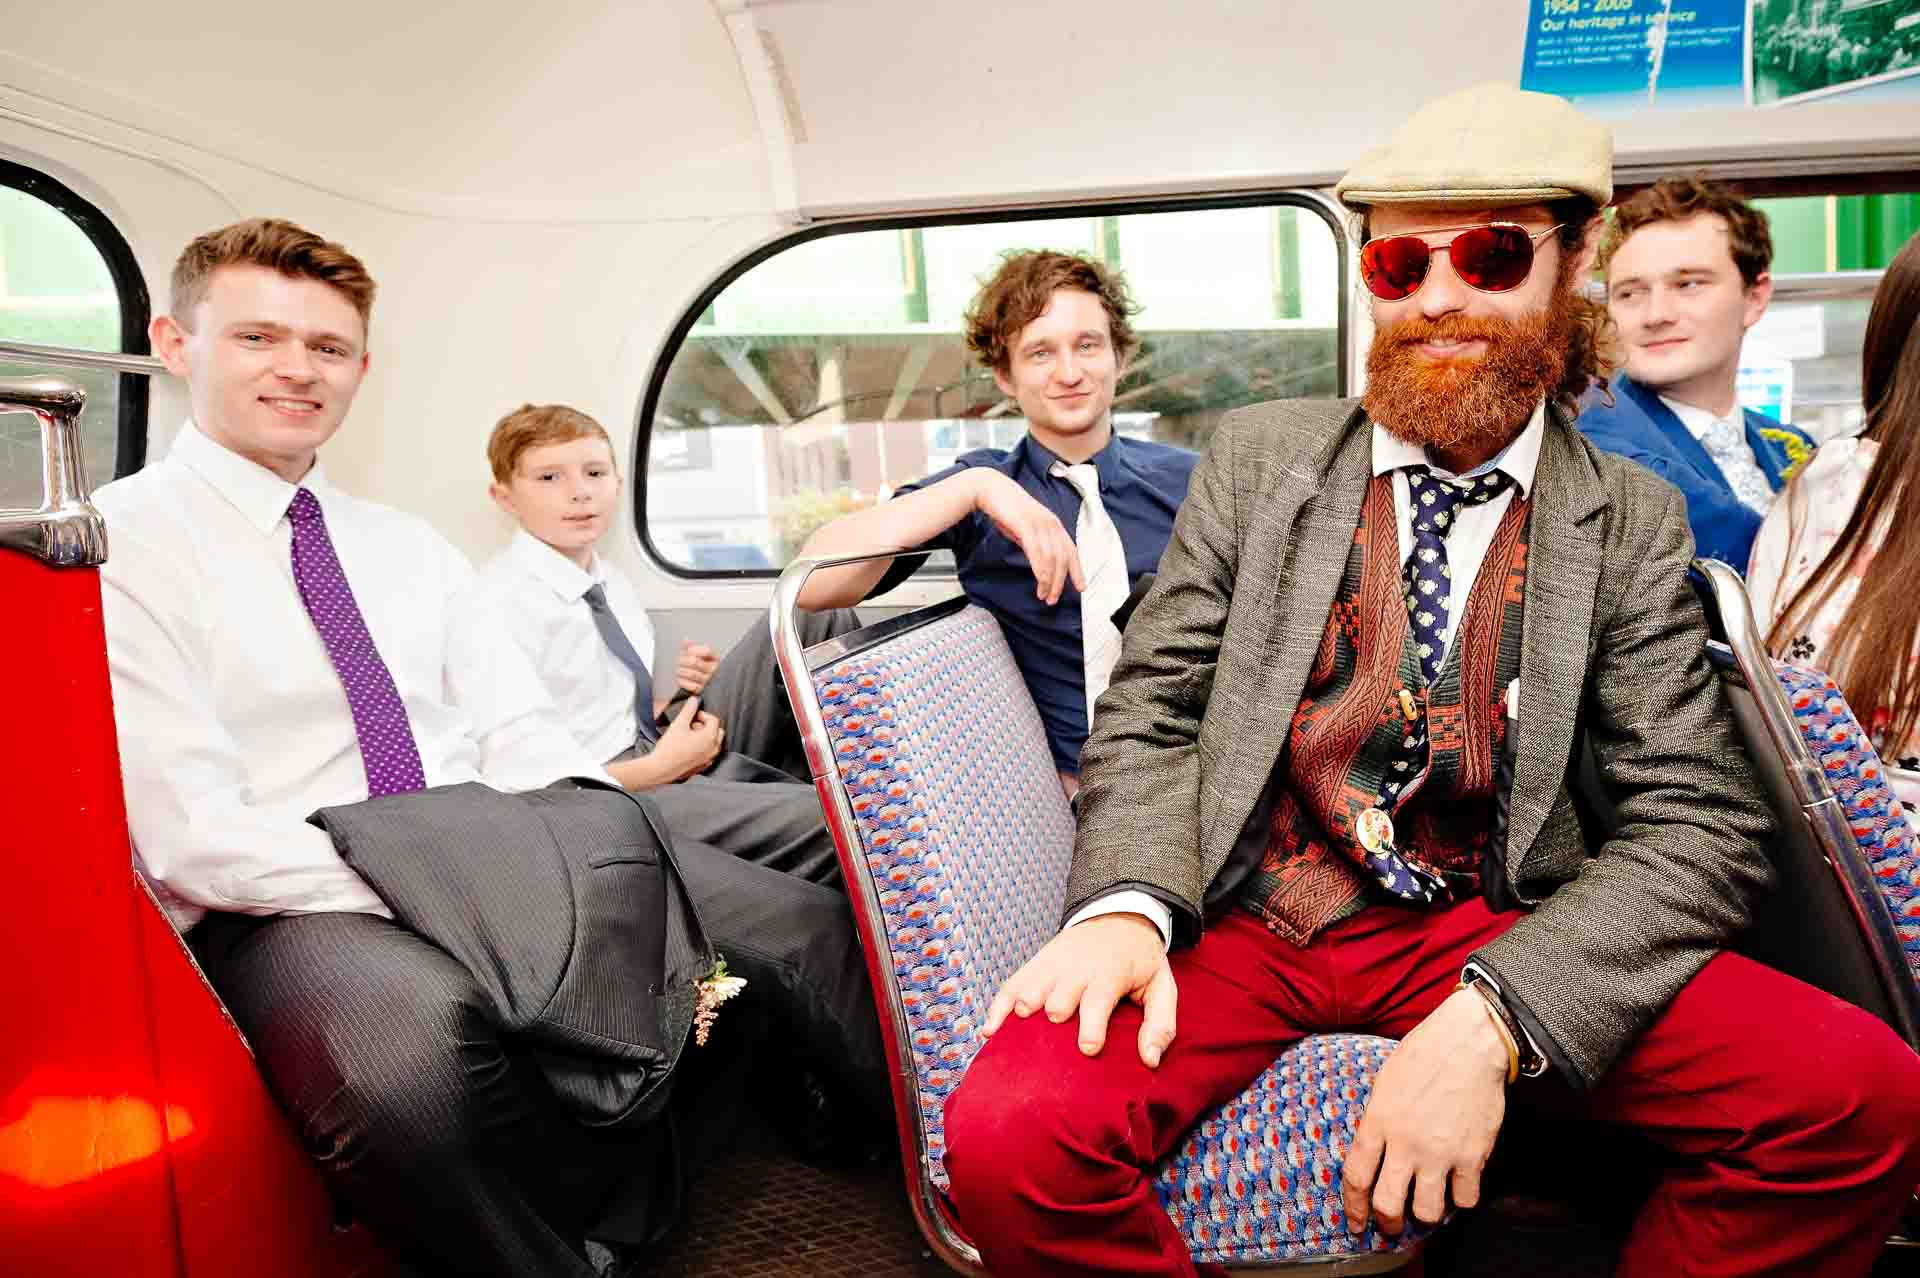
[542, 191]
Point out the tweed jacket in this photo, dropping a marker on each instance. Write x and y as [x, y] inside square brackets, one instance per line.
[1174, 790]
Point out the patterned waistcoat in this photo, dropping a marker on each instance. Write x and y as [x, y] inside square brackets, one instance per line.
[1352, 725]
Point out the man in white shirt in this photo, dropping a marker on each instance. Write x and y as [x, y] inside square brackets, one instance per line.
[727, 767]
[1687, 264]
[276, 647]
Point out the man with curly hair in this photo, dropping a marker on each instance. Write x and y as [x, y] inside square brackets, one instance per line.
[1051, 534]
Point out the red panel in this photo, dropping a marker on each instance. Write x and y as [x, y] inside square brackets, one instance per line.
[84, 1181]
[250, 1201]
[136, 1138]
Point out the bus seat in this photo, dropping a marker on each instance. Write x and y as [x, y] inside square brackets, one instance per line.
[1846, 914]
[955, 839]
[136, 1137]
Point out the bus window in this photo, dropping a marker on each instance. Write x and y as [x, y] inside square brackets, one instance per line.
[831, 369]
[1801, 362]
[68, 281]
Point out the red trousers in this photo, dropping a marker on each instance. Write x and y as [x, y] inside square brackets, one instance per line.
[1796, 1117]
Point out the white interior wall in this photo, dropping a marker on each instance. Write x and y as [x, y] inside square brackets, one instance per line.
[497, 285]
[541, 192]
[948, 104]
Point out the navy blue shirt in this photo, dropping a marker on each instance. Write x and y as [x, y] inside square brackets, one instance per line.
[1141, 484]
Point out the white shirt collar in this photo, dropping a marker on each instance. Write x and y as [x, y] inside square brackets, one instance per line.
[1697, 419]
[250, 488]
[1519, 459]
[553, 569]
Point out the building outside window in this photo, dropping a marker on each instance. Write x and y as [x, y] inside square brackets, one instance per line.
[833, 371]
[68, 280]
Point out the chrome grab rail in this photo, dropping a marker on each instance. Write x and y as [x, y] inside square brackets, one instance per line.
[65, 531]
[1815, 795]
[1750, 654]
[953, 1250]
[68, 357]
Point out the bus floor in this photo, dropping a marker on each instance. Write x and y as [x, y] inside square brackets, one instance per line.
[757, 1212]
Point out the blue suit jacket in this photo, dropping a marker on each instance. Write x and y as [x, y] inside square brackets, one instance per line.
[1639, 427]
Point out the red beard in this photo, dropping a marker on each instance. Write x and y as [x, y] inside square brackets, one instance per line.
[1471, 404]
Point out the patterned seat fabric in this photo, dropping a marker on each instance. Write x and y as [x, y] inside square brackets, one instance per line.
[968, 839]
[1854, 771]
[1259, 1179]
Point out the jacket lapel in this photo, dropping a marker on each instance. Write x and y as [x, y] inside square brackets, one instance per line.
[1303, 531]
[1669, 424]
[1564, 563]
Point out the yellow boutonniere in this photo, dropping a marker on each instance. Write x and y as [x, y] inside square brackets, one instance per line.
[1796, 449]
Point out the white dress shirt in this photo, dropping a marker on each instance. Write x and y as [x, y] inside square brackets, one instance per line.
[233, 723]
[1725, 439]
[1467, 543]
[541, 593]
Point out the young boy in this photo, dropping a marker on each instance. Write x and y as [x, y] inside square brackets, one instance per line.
[728, 768]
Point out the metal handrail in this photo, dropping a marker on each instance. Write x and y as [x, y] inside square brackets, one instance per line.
[953, 1249]
[64, 531]
[1756, 664]
[68, 357]
[1816, 797]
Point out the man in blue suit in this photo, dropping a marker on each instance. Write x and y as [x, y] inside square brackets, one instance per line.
[1687, 275]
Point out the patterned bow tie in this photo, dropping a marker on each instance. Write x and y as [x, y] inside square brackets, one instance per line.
[1426, 577]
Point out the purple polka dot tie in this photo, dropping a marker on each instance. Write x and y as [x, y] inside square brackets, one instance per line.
[387, 748]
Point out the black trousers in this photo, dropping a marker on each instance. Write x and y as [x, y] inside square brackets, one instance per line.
[757, 802]
[442, 1137]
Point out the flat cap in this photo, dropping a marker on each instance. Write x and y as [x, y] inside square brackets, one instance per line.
[1489, 145]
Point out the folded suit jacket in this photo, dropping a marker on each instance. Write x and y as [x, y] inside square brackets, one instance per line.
[566, 907]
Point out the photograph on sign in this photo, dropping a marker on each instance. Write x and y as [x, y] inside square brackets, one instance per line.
[1805, 49]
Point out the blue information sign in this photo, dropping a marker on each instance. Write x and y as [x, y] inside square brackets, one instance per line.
[1627, 55]
[1617, 56]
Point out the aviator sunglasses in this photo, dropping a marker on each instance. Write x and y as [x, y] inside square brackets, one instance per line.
[1493, 257]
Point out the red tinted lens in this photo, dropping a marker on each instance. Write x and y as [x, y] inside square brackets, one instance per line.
[1493, 259]
[1393, 267]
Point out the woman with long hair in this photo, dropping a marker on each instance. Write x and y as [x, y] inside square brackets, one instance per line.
[1836, 567]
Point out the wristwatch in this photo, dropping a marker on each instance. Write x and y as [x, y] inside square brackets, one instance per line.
[1532, 1062]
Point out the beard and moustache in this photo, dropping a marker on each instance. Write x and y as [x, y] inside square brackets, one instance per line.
[1475, 403]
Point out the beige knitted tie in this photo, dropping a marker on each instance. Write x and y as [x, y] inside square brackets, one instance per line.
[1103, 562]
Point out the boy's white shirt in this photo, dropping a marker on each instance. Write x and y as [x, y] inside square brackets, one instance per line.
[233, 722]
[541, 593]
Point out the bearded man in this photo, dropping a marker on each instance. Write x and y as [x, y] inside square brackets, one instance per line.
[1290, 797]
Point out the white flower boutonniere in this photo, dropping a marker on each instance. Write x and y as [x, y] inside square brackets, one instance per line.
[715, 988]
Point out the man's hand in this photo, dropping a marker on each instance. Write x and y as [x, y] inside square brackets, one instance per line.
[697, 664]
[1033, 528]
[1435, 1110]
[1090, 967]
[691, 742]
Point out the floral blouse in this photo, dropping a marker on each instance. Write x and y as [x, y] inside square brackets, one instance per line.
[1804, 523]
